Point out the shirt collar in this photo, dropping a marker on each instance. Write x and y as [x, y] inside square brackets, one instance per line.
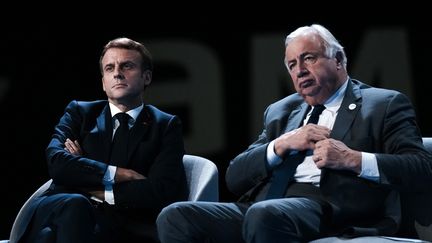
[335, 101]
[133, 113]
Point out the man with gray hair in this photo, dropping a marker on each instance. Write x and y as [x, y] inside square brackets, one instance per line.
[328, 161]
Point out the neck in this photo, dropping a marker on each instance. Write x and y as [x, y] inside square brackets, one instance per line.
[125, 107]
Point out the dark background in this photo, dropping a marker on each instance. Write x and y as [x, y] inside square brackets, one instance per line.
[47, 62]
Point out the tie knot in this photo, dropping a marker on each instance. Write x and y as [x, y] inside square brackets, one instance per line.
[316, 112]
[318, 109]
[123, 118]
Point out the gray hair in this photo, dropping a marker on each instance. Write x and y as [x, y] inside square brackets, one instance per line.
[331, 45]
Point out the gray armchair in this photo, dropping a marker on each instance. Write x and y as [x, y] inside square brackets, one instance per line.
[201, 176]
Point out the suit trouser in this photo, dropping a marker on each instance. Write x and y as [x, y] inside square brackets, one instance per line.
[72, 218]
[64, 217]
[276, 220]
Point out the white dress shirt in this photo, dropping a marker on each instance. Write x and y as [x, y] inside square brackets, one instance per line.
[307, 171]
[108, 179]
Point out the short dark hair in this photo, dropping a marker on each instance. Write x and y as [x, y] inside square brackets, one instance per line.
[126, 43]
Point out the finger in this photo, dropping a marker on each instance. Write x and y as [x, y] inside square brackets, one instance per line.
[68, 147]
[77, 144]
[319, 136]
[312, 145]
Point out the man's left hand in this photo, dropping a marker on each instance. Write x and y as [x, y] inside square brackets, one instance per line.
[334, 154]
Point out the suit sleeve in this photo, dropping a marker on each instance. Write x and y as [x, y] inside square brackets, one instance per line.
[165, 182]
[405, 162]
[249, 168]
[65, 168]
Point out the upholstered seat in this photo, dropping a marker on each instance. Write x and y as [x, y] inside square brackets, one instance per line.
[201, 175]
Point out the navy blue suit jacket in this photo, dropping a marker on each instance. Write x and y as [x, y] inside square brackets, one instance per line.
[156, 151]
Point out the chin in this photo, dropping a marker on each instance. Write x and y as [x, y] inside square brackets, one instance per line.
[311, 100]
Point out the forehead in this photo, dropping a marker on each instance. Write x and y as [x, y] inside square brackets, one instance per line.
[120, 55]
[308, 43]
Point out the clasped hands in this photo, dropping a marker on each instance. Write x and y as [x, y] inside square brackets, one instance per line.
[327, 152]
[121, 175]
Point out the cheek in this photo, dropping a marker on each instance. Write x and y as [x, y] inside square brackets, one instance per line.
[104, 85]
[294, 81]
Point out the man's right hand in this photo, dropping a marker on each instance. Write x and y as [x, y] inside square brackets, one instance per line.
[300, 139]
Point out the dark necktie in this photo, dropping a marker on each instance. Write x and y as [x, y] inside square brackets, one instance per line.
[284, 173]
[119, 148]
[316, 112]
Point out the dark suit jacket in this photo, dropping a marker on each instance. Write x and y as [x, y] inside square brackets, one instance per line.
[383, 123]
[155, 150]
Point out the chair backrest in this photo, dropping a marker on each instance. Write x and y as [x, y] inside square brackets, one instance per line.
[417, 210]
[23, 215]
[202, 178]
[427, 142]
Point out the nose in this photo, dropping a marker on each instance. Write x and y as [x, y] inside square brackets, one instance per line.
[301, 71]
[118, 73]
[119, 76]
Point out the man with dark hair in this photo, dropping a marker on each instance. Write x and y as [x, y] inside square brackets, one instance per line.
[115, 163]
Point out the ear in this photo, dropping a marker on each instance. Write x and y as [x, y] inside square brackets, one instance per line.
[103, 84]
[147, 75]
[339, 59]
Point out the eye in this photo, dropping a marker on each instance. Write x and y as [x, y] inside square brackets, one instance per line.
[310, 59]
[108, 68]
[291, 66]
[128, 66]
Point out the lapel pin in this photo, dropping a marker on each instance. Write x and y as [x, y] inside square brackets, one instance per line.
[352, 106]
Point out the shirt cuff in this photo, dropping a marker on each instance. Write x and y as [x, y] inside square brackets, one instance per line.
[272, 158]
[369, 167]
[109, 194]
[108, 178]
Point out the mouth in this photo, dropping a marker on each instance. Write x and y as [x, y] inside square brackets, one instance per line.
[306, 83]
[116, 86]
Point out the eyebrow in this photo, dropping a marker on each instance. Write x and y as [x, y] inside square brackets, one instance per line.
[302, 55]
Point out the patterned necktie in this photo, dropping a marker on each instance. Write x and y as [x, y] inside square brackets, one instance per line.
[284, 173]
[119, 148]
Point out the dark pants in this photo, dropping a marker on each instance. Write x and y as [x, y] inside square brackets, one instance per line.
[71, 218]
[270, 221]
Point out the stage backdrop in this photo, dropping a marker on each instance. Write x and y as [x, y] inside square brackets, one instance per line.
[217, 77]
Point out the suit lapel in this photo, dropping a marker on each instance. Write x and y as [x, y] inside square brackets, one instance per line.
[138, 130]
[104, 125]
[348, 110]
[296, 117]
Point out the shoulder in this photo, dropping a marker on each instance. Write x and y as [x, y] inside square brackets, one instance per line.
[158, 115]
[286, 104]
[374, 92]
[87, 106]
[380, 96]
